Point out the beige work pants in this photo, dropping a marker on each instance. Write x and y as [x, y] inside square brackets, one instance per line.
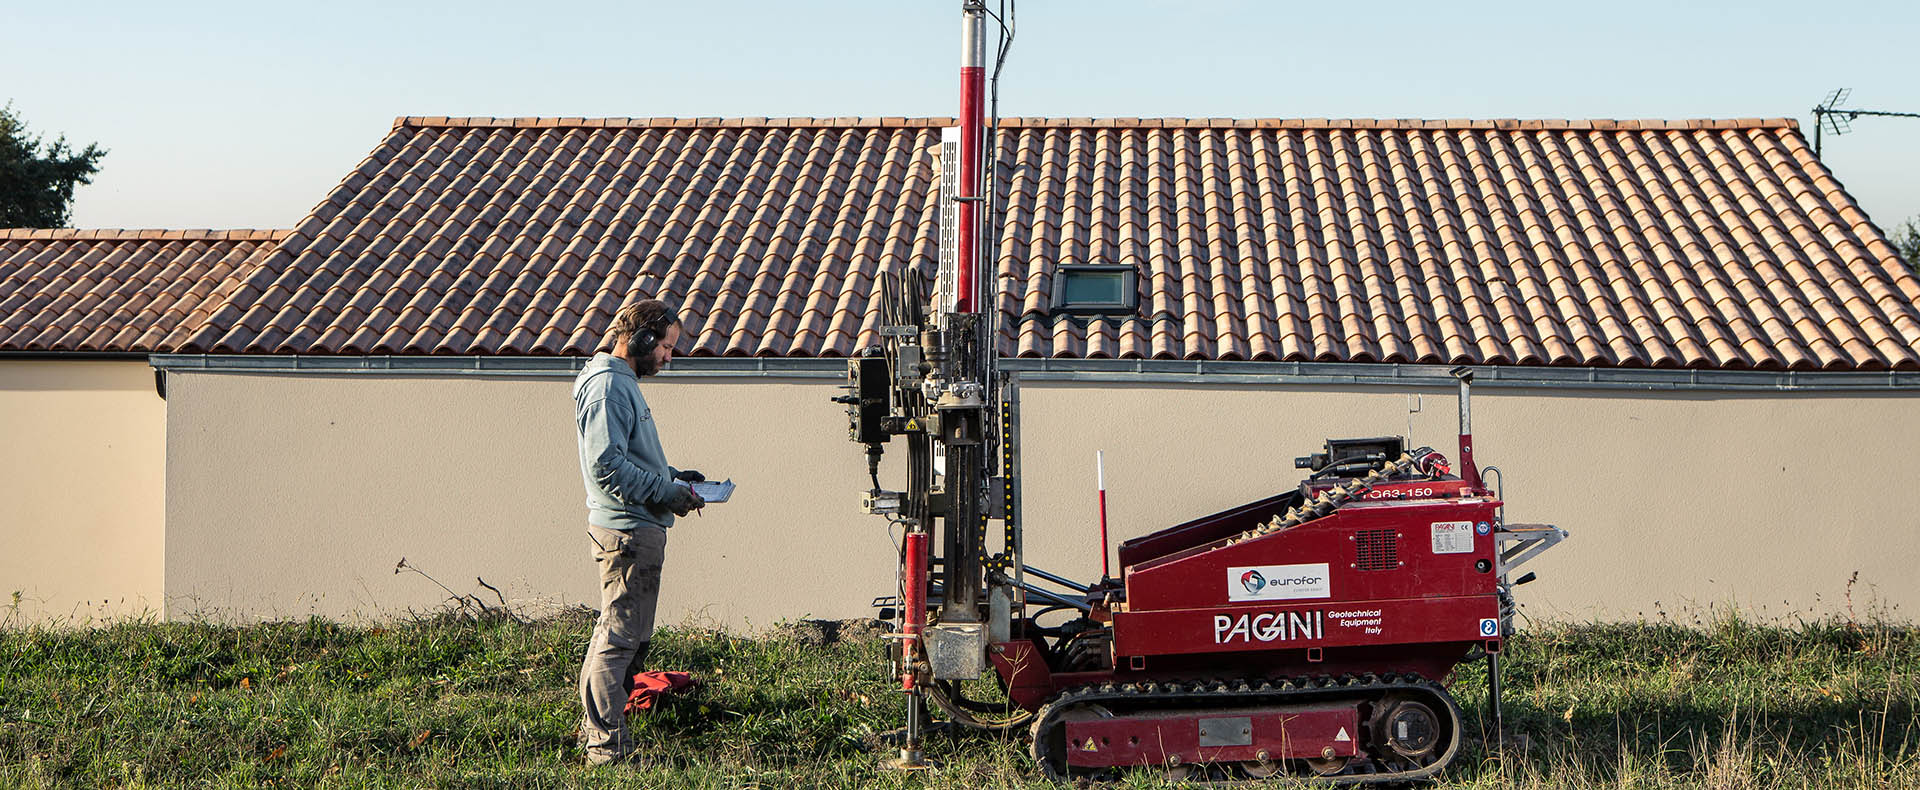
[629, 565]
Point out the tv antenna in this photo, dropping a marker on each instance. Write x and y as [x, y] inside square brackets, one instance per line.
[1829, 115]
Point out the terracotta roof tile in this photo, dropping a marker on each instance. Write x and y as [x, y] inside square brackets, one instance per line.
[1704, 244]
[110, 290]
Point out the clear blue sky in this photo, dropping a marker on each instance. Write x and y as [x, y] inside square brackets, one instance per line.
[245, 114]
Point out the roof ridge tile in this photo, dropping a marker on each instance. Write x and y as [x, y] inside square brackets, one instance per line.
[1098, 122]
[142, 234]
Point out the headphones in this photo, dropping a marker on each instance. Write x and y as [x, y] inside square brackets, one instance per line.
[648, 335]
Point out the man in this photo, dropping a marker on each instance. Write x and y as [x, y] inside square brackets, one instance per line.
[632, 498]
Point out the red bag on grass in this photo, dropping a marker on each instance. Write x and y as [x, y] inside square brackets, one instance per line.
[648, 687]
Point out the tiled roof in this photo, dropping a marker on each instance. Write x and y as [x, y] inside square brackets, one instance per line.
[112, 290]
[1707, 244]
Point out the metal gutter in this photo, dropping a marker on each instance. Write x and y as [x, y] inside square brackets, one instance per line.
[1410, 375]
[1103, 371]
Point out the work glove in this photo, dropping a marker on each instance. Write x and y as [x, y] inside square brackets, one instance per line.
[681, 500]
[690, 476]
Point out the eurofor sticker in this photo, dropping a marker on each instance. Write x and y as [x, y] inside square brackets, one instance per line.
[1278, 582]
[1453, 537]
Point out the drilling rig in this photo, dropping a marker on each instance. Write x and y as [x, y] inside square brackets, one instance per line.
[1307, 633]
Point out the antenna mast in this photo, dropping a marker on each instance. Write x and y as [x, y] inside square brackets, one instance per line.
[1829, 115]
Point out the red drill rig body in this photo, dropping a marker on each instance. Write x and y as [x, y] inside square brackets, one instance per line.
[1306, 633]
[1310, 632]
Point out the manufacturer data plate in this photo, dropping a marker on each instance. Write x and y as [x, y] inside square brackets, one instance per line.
[1453, 537]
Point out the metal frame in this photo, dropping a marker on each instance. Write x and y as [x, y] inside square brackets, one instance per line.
[947, 271]
[1518, 543]
[1129, 290]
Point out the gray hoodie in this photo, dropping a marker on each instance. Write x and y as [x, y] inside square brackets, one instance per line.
[621, 461]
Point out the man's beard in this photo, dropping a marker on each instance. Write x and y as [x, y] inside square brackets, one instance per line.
[645, 366]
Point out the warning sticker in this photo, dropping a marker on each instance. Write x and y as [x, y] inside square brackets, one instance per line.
[1453, 537]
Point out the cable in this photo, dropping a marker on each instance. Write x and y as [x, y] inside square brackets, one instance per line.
[989, 229]
[957, 711]
[1009, 26]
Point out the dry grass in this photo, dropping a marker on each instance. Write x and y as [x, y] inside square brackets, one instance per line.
[462, 702]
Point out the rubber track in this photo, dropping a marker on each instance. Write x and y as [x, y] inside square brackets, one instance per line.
[1254, 694]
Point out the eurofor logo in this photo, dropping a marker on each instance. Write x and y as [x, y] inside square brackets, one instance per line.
[1278, 582]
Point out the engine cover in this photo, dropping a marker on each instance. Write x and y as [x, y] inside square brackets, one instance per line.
[1370, 574]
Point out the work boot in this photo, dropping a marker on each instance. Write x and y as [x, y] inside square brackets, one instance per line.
[620, 753]
[629, 760]
[599, 759]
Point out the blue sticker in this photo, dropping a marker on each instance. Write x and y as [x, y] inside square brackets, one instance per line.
[1489, 627]
[1482, 528]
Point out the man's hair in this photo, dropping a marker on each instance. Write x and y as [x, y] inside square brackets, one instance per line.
[632, 320]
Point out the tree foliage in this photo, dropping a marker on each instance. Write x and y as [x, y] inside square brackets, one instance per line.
[1906, 240]
[36, 186]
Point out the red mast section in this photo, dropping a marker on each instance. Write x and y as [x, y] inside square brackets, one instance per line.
[973, 56]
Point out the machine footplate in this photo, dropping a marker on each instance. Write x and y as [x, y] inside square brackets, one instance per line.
[1351, 729]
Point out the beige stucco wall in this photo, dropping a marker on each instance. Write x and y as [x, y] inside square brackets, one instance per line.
[296, 495]
[299, 495]
[82, 486]
[1676, 502]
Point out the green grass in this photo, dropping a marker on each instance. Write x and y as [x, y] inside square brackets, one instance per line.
[451, 702]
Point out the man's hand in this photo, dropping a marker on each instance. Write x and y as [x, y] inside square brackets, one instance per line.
[690, 476]
[683, 501]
